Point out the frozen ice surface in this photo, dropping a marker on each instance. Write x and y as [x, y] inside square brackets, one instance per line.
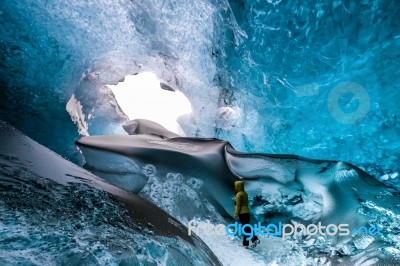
[56, 213]
[363, 242]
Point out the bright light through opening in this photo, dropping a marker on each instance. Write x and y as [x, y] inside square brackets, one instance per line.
[140, 96]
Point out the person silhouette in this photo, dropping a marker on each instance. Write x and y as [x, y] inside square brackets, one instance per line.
[242, 211]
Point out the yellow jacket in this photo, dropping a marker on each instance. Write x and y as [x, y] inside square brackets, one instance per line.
[241, 199]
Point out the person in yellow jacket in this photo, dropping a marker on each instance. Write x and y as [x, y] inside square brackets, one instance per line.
[243, 212]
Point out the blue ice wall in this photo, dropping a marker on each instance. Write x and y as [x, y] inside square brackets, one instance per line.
[51, 50]
[319, 79]
[316, 78]
[48, 50]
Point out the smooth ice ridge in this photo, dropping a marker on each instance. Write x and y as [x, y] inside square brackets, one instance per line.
[54, 212]
[193, 178]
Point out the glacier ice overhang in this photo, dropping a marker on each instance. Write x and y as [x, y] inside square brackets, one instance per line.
[288, 71]
[53, 50]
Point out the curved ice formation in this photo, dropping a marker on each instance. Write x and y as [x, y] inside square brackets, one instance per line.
[54, 212]
[276, 63]
[186, 174]
[127, 155]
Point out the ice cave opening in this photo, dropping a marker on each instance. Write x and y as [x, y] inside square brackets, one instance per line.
[315, 79]
[142, 96]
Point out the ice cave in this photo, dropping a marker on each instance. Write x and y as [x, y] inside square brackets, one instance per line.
[124, 123]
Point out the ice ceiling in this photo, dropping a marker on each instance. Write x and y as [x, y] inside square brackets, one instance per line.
[319, 80]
